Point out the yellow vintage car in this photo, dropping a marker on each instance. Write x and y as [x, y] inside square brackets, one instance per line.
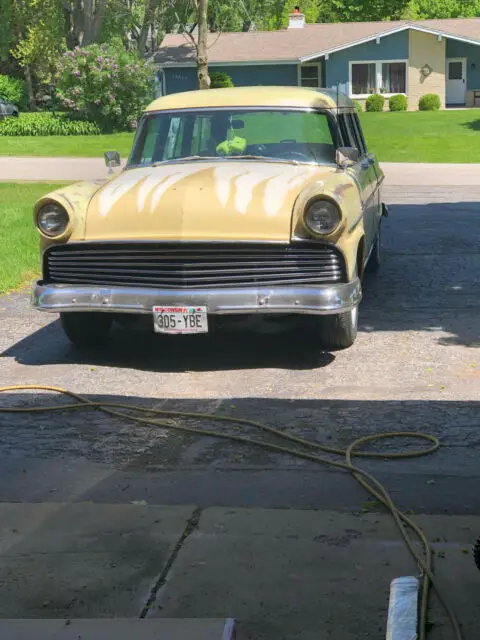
[258, 202]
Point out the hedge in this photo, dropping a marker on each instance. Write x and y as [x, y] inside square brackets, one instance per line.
[429, 102]
[358, 106]
[220, 80]
[398, 103]
[375, 102]
[46, 124]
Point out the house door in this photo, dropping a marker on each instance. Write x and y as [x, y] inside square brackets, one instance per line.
[456, 81]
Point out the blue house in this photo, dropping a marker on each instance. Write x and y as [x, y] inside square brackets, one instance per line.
[360, 58]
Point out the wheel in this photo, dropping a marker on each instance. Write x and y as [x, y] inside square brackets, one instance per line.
[476, 553]
[375, 260]
[338, 331]
[86, 329]
[15, 114]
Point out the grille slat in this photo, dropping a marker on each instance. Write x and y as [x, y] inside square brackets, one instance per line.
[197, 265]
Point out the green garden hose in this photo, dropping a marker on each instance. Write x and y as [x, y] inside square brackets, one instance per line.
[366, 480]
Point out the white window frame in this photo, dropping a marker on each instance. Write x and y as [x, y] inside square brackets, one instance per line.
[310, 64]
[378, 76]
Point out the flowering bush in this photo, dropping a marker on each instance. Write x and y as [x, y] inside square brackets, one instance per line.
[105, 84]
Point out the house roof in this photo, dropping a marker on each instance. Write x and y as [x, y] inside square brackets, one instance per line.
[312, 41]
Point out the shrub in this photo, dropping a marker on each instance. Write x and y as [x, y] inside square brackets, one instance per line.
[220, 80]
[375, 102]
[429, 102]
[105, 84]
[46, 124]
[358, 106]
[398, 103]
[13, 90]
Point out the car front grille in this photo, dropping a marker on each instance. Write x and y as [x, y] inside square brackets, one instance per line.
[193, 265]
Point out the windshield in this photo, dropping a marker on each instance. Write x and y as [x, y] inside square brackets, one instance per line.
[295, 136]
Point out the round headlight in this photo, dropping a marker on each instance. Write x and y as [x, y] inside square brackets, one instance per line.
[52, 220]
[322, 216]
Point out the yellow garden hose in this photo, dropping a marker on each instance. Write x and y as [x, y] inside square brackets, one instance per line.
[373, 486]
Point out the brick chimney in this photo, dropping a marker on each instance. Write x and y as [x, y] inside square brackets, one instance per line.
[296, 20]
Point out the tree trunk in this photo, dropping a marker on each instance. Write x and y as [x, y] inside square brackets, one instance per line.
[78, 22]
[202, 51]
[32, 103]
[148, 20]
[100, 9]
[93, 15]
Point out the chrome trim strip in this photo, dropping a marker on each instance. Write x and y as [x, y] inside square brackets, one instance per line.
[180, 243]
[322, 300]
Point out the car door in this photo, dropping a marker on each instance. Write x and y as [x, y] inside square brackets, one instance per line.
[362, 172]
[377, 177]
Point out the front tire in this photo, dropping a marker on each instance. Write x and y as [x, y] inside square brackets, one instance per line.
[86, 329]
[339, 331]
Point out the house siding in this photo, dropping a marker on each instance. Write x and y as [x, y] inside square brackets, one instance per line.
[180, 79]
[337, 69]
[456, 49]
[425, 48]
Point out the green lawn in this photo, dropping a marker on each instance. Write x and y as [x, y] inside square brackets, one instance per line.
[415, 136]
[19, 241]
[62, 146]
[424, 136]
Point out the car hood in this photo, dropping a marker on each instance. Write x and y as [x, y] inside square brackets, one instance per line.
[238, 200]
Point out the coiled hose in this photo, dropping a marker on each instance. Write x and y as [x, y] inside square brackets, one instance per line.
[365, 479]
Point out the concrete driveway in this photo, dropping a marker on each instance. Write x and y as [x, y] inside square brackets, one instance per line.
[102, 518]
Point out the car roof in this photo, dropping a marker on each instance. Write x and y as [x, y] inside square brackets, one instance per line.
[277, 97]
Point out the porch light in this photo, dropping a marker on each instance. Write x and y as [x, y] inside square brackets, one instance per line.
[426, 70]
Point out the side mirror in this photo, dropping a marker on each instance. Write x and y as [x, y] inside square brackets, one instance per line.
[112, 159]
[346, 156]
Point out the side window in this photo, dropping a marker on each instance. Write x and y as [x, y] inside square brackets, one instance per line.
[354, 134]
[358, 128]
[347, 138]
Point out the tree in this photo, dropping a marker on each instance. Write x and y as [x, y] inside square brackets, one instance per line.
[84, 20]
[199, 41]
[427, 9]
[361, 10]
[201, 45]
[33, 35]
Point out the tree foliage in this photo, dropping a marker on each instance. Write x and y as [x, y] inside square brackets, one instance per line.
[12, 90]
[33, 33]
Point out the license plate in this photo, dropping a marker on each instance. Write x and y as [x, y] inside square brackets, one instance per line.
[180, 319]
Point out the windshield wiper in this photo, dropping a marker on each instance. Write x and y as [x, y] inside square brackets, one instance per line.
[232, 157]
[263, 159]
[186, 158]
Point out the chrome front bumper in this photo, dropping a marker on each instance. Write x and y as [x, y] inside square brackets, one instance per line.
[323, 300]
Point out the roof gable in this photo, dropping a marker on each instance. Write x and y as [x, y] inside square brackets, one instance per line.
[301, 45]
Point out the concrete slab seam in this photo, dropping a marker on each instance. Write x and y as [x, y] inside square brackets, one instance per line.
[190, 527]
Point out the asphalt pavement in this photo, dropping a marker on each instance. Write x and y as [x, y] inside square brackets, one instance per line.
[100, 517]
